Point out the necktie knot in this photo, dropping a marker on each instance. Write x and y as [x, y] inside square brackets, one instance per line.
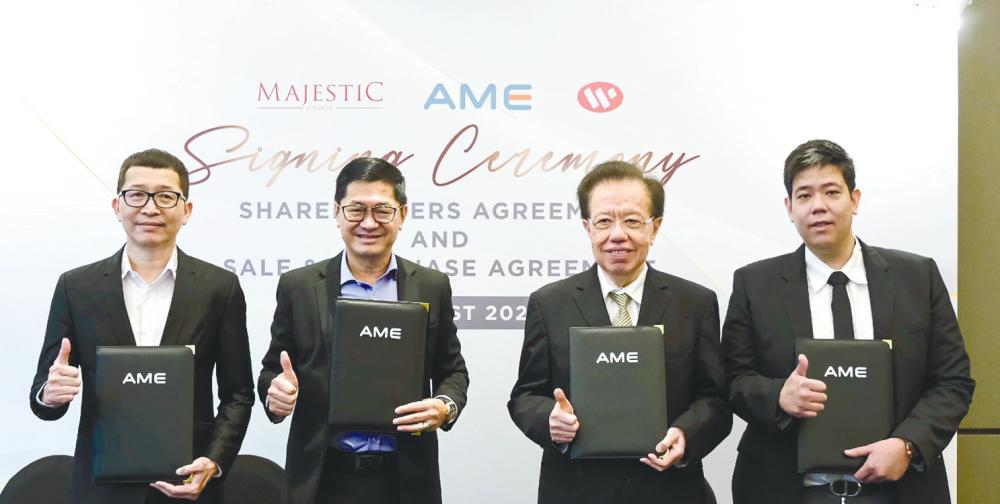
[838, 278]
[622, 318]
[620, 298]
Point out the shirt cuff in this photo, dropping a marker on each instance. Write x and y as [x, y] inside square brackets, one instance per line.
[38, 397]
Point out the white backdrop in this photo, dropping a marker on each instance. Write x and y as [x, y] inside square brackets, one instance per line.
[713, 97]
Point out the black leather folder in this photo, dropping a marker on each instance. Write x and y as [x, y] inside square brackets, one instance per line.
[858, 409]
[617, 378]
[145, 413]
[377, 362]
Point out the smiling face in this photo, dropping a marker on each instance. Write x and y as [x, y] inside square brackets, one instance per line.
[151, 227]
[822, 209]
[369, 242]
[621, 251]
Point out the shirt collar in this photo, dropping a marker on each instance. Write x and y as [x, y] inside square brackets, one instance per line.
[634, 289]
[171, 265]
[347, 277]
[818, 272]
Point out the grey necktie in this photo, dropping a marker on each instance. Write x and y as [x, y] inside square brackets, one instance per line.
[622, 318]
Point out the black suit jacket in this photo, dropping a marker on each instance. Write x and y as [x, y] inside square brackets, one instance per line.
[932, 388]
[303, 321]
[695, 387]
[207, 310]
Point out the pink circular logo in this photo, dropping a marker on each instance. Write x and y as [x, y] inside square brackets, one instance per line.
[600, 97]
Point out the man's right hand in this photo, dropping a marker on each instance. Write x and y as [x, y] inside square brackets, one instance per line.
[802, 397]
[284, 389]
[64, 380]
[563, 424]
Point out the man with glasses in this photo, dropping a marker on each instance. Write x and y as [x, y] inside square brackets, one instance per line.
[360, 467]
[147, 294]
[622, 213]
[834, 286]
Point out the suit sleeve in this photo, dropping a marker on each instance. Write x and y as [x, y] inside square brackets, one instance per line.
[753, 396]
[282, 339]
[708, 419]
[531, 399]
[235, 381]
[59, 326]
[449, 376]
[948, 384]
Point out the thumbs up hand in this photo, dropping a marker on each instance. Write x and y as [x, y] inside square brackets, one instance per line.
[800, 396]
[563, 424]
[64, 380]
[284, 389]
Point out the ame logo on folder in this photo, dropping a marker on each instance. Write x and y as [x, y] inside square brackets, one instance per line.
[618, 358]
[381, 332]
[150, 378]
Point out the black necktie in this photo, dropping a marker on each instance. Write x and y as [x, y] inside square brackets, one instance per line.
[843, 321]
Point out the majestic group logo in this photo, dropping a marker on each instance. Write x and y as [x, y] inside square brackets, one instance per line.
[512, 97]
[600, 97]
[320, 96]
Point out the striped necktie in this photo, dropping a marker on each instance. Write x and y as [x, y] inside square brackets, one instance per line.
[622, 318]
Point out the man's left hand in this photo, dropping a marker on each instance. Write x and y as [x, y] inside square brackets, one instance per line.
[198, 474]
[420, 416]
[887, 460]
[671, 448]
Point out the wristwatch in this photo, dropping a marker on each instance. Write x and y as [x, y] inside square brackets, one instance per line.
[452, 407]
[909, 448]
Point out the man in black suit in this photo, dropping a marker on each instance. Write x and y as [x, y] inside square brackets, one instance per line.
[150, 293]
[358, 467]
[881, 294]
[622, 214]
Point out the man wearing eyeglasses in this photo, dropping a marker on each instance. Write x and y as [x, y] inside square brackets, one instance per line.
[150, 293]
[622, 213]
[360, 467]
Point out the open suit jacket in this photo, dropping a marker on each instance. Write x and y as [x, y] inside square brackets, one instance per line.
[932, 388]
[207, 310]
[695, 387]
[303, 324]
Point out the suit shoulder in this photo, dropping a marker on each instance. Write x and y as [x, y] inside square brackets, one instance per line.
[894, 256]
[683, 285]
[767, 266]
[85, 274]
[560, 288]
[428, 275]
[211, 271]
[304, 274]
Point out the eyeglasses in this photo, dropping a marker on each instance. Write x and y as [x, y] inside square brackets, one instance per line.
[356, 213]
[629, 223]
[162, 199]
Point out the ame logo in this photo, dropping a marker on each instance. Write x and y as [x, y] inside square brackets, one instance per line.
[846, 372]
[382, 332]
[151, 378]
[618, 357]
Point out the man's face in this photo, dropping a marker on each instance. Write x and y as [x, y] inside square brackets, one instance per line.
[822, 209]
[369, 240]
[620, 250]
[151, 226]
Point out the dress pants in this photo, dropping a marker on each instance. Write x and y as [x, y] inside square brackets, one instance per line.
[348, 479]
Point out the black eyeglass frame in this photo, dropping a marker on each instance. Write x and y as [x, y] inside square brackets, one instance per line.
[368, 210]
[150, 196]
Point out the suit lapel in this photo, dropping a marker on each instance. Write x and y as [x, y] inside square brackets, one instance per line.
[180, 301]
[655, 298]
[589, 300]
[327, 288]
[113, 301]
[407, 283]
[880, 291]
[794, 291]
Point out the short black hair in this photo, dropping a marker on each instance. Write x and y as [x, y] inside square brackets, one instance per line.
[369, 169]
[818, 153]
[155, 158]
[618, 171]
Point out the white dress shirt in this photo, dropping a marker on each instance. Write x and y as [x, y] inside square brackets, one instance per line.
[820, 299]
[147, 304]
[634, 291]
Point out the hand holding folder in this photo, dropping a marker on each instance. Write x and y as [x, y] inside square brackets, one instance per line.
[886, 460]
